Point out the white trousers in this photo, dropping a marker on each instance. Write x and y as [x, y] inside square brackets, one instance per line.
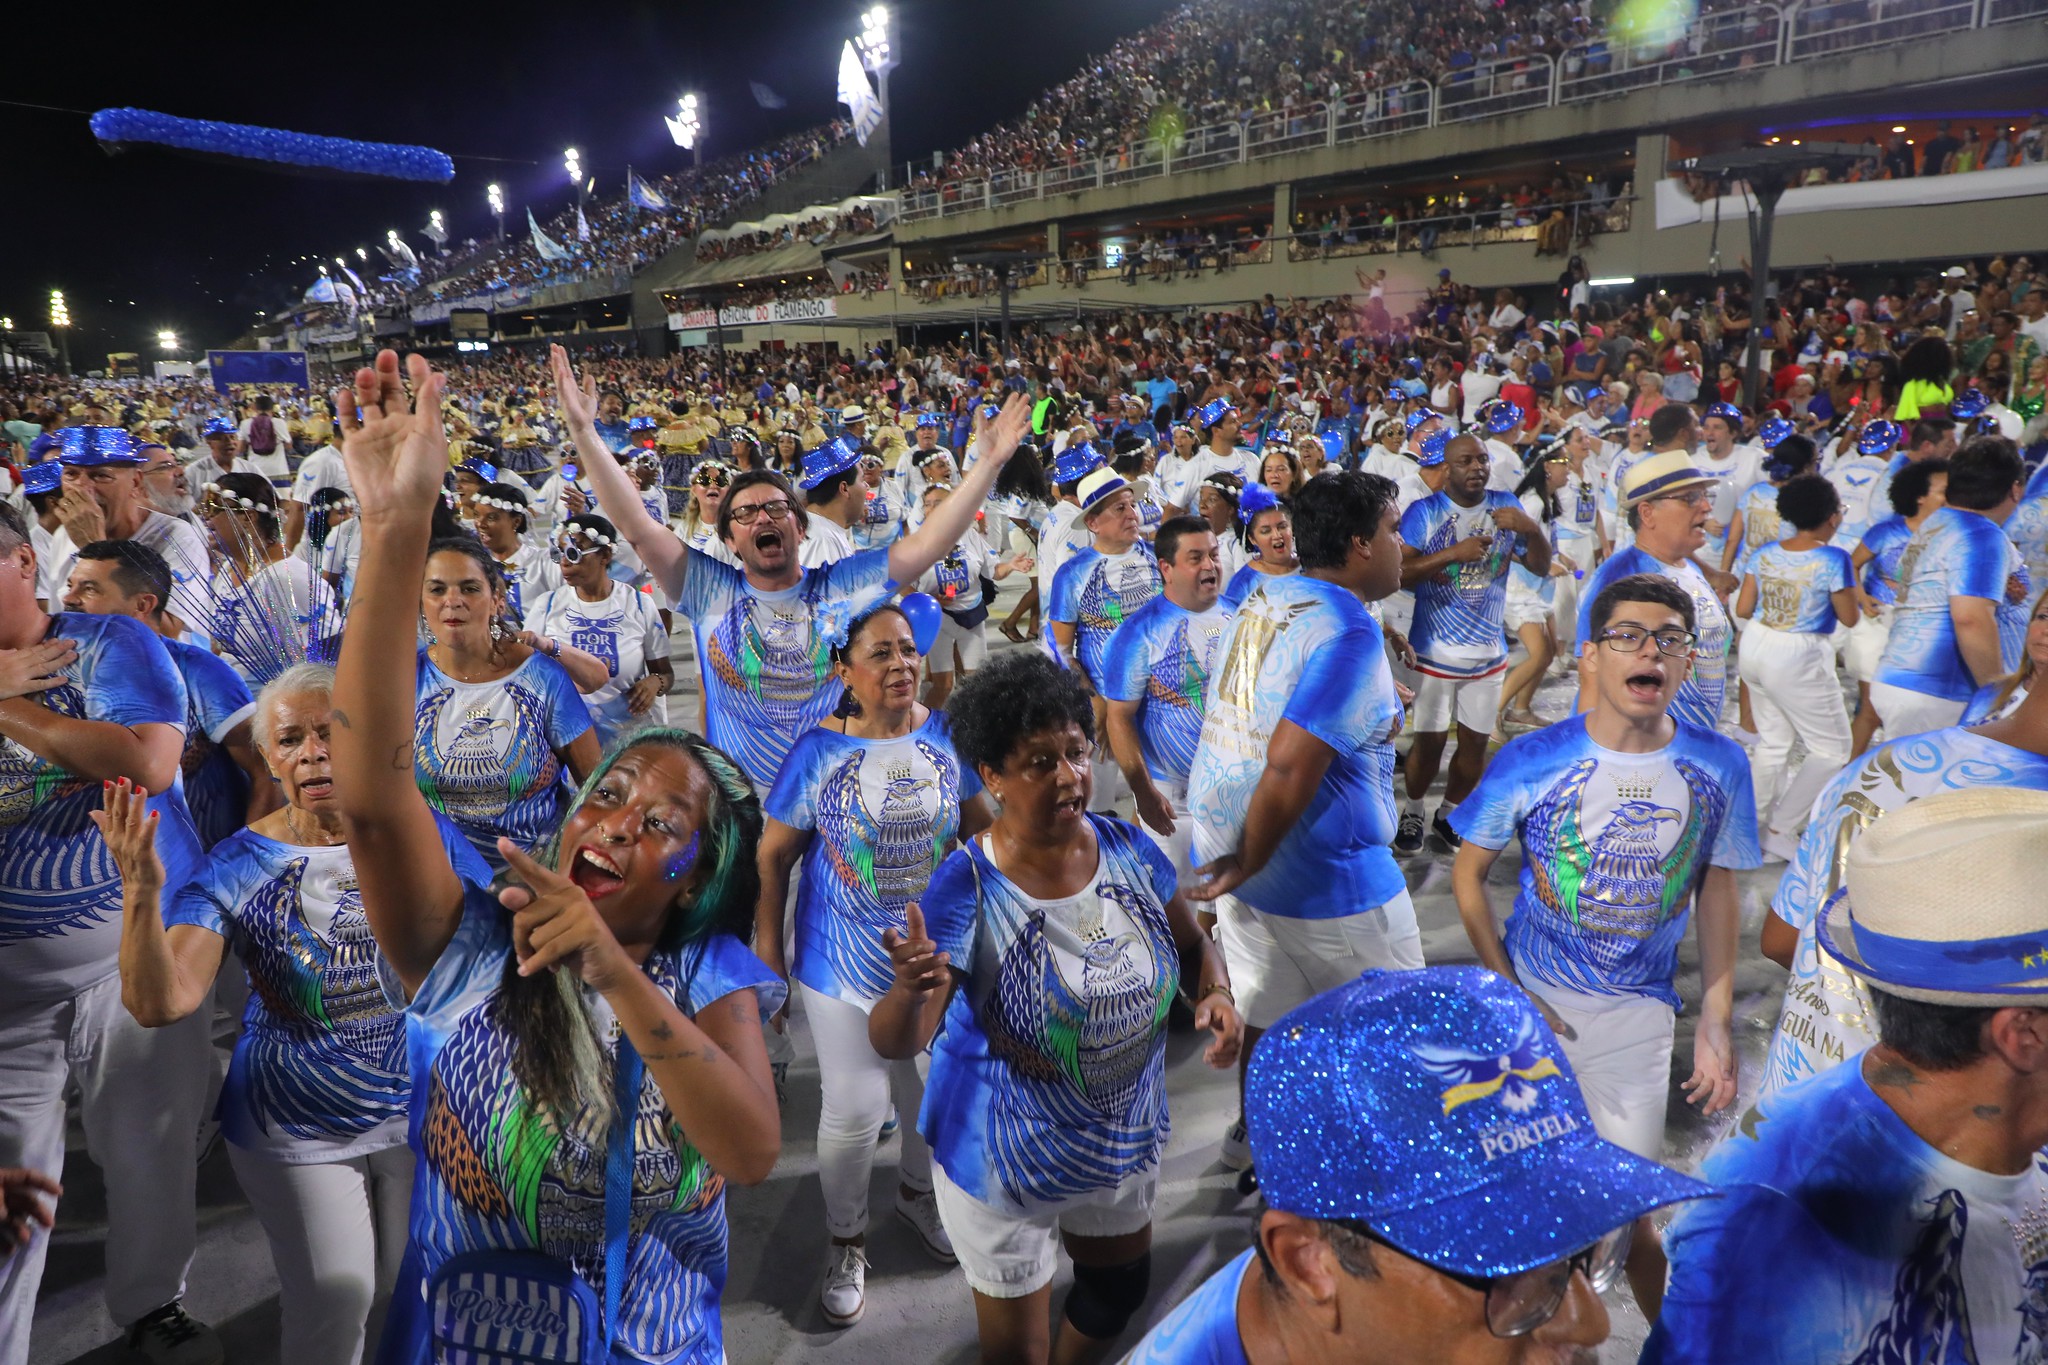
[1622, 1058]
[140, 1094]
[1792, 695]
[1906, 712]
[856, 1085]
[337, 1233]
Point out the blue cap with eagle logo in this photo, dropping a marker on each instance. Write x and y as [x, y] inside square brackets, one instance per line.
[1437, 1108]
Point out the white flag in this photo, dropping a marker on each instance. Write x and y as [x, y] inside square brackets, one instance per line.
[548, 248]
[582, 225]
[857, 95]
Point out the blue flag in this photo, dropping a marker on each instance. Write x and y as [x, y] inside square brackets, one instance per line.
[765, 97]
[643, 194]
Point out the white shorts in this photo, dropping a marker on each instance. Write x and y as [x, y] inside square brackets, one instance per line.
[1474, 701]
[1525, 608]
[1007, 1255]
[1622, 1057]
[972, 642]
[1277, 963]
[1906, 712]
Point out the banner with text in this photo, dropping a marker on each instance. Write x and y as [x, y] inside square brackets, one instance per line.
[792, 310]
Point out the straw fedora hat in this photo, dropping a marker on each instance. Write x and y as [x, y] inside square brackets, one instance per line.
[1943, 902]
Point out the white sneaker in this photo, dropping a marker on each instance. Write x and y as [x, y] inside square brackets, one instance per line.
[922, 1213]
[171, 1336]
[1237, 1147]
[845, 1295]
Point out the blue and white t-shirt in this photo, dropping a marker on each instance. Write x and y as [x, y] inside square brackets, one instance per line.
[60, 892]
[1955, 554]
[264, 622]
[765, 657]
[882, 813]
[1614, 849]
[495, 1174]
[1163, 658]
[1886, 541]
[1794, 588]
[1855, 480]
[1460, 609]
[486, 754]
[881, 521]
[1842, 1236]
[1095, 593]
[216, 701]
[1700, 696]
[1202, 1328]
[624, 630]
[1048, 1076]
[2027, 529]
[1761, 523]
[319, 1073]
[1247, 577]
[1826, 1013]
[1304, 651]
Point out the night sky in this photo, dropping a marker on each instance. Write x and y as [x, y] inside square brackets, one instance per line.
[151, 239]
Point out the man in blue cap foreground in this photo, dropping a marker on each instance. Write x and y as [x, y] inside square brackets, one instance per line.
[1895, 1207]
[1433, 1187]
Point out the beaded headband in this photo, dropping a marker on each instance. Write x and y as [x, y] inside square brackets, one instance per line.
[235, 500]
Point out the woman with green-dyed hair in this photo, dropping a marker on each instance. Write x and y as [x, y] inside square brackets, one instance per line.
[585, 1044]
[871, 801]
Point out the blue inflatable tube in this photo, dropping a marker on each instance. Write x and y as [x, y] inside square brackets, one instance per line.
[271, 148]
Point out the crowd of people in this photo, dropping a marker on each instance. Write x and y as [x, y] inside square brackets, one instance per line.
[820, 231]
[514, 952]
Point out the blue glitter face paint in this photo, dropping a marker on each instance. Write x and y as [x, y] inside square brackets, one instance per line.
[680, 865]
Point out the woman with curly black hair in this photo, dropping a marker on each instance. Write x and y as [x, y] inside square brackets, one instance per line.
[1039, 968]
[1925, 369]
[586, 1045]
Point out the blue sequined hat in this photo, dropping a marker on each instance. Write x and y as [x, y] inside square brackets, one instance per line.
[1419, 416]
[1502, 416]
[1076, 463]
[88, 446]
[1436, 1107]
[217, 426]
[1772, 431]
[931, 419]
[1212, 412]
[1413, 388]
[1433, 449]
[39, 445]
[482, 469]
[642, 423]
[836, 456]
[1728, 413]
[1969, 405]
[46, 477]
[1255, 499]
[1879, 438]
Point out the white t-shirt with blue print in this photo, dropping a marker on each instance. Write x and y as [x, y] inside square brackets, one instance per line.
[1956, 553]
[1794, 588]
[882, 813]
[1460, 609]
[1614, 848]
[1308, 652]
[1048, 1077]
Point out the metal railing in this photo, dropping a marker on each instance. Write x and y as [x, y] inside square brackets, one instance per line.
[1720, 44]
[1583, 220]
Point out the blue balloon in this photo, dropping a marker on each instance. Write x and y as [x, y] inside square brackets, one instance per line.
[922, 611]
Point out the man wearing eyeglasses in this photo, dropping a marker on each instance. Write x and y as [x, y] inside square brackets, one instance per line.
[104, 499]
[1432, 1187]
[1668, 501]
[1627, 816]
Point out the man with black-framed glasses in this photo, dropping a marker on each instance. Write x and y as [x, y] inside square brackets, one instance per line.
[1433, 1189]
[1627, 815]
[1668, 501]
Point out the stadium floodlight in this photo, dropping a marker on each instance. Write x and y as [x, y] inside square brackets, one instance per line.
[362, 253]
[572, 162]
[495, 195]
[6, 324]
[167, 339]
[874, 39]
[687, 124]
[60, 315]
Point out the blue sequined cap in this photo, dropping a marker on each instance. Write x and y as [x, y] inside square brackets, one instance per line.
[217, 426]
[836, 456]
[1728, 412]
[46, 477]
[1436, 1107]
[1433, 449]
[1879, 438]
[96, 446]
[642, 423]
[1969, 405]
[1502, 416]
[1419, 416]
[1212, 412]
[1076, 462]
[121, 128]
[932, 419]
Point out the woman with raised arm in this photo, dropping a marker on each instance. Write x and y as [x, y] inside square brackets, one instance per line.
[1056, 942]
[314, 1108]
[762, 629]
[586, 1045]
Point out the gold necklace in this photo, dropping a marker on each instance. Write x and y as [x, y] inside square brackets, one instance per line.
[298, 834]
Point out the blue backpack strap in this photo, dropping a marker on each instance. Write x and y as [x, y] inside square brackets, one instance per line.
[618, 1180]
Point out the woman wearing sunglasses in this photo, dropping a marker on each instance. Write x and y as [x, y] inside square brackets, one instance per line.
[708, 482]
[607, 634]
